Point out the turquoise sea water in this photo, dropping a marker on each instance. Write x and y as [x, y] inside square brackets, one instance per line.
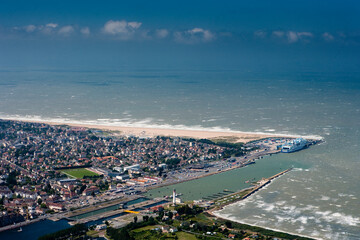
[320, 199]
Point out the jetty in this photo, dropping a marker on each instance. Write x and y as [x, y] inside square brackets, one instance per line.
[245, 193]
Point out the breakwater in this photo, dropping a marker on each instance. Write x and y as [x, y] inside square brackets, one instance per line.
[245, 193]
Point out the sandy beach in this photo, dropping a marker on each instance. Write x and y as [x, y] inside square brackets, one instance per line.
[212, 134]
[230, 136]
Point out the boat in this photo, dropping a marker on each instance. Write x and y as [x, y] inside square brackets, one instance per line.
[20, 229]
[294, 145]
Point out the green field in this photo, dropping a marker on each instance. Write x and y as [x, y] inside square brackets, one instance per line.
[79, 173]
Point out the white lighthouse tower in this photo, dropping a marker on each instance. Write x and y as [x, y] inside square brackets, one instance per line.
[174, 197]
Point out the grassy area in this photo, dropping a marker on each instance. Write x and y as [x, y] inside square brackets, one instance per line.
[144, 228]
[185, 236]
[92, 233]
[202, 218]
[152, 235]
[79, 172]
[141, 233]
[232, 198]
[229, 139]
[146, 233]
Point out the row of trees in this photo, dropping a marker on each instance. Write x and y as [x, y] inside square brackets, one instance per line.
[124, 233]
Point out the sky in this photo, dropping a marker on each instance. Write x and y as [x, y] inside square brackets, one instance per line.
[250, 35]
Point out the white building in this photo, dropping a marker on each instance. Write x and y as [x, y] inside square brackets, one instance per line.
[132, 167]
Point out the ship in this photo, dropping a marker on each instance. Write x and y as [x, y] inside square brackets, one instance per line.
[294, 145]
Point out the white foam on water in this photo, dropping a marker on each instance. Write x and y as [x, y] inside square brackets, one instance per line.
[339, 218]
[258, 223]
[145, 123]
[324, 198]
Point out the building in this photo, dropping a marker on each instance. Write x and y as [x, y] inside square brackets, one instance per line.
[135, 167]
[100, 227]
[5, 192]
[55, 206]
[91, 190]
[123, 177]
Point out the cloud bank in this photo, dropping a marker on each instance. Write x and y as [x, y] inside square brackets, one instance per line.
[123, 30]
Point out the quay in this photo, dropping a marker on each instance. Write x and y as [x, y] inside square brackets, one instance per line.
[132, 209]
[21, 224]
[250, 159]
[70, 214]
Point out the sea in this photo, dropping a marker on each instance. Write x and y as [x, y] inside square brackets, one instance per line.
[320, 198]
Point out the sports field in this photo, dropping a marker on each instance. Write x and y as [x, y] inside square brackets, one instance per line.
[79, 172]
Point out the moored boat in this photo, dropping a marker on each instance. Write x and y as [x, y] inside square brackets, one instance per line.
[294, 145]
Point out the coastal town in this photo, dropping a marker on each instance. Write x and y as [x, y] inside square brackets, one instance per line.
[56, 171]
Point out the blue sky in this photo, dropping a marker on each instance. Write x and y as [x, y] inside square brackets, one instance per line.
[85, 34]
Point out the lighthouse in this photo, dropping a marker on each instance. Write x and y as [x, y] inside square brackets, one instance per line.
[174, 197]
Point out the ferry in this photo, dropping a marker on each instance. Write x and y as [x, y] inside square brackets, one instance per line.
[294, 145]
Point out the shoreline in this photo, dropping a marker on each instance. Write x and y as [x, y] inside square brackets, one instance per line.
[259, 226]
[214, 213]
[168, 131]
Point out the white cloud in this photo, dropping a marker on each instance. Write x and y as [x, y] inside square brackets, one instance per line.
[123, 29]
[305, 34]
[135, 25]
[85, 31]
[292, 36]
[48, 28]
[206, 35]
[161, 33]
[278, 34]
[30, 28]
[328, 37]
[66, 30]
[51, 25]
[260, 34]
[194, 35]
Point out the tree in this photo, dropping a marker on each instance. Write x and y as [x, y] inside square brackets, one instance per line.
[39, 201]
[82, 188]
[11, 180]
[124, 235]
[228, 224]
[135, 219]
